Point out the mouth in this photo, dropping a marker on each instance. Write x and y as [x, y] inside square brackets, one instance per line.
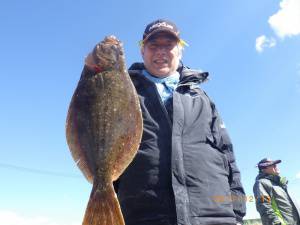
[160, 61]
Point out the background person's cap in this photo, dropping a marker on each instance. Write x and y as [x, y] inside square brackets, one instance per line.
[161, 25]
[265, 162]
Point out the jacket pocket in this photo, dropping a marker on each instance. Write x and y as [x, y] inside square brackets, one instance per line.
[217, 202]
[211, 141]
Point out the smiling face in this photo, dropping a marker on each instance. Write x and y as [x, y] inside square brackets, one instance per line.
[161, 54]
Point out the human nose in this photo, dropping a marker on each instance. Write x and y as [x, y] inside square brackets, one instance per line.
[162, 49]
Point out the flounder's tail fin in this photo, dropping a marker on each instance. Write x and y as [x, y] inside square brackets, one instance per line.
[103, 208]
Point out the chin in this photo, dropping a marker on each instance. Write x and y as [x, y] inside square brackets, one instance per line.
[162, 72]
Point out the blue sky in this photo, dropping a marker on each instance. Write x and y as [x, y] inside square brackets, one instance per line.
[250, 48]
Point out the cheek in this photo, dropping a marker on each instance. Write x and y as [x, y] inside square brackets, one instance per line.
[176, 54]
[175, 58]
[146, 55]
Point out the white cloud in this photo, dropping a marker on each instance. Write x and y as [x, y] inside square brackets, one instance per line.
[286, 22]
[298, 175]
[12, 218]
[264, 42]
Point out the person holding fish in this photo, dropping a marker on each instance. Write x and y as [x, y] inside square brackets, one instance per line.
[185, 161]
[185, 158]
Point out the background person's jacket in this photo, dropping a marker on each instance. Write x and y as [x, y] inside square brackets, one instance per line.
[273, 201]
[184, 172]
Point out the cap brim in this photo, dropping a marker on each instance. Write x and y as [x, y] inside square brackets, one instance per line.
[276, 162]
[161, 31]
[267, 164]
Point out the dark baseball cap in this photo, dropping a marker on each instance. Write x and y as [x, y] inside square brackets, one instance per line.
[162, 25]
[265, 162]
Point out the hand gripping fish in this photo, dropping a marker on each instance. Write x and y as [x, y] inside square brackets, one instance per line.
[104, 129]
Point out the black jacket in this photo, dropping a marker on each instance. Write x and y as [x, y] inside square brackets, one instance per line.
[184, 172]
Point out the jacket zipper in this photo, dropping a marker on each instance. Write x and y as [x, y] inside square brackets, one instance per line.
[163, 107]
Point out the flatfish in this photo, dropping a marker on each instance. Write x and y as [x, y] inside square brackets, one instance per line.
[104, 129]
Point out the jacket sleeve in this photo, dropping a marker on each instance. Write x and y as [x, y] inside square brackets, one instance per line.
[223, 143]
[263, 204]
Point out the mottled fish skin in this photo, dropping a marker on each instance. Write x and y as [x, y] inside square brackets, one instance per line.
[104, 129]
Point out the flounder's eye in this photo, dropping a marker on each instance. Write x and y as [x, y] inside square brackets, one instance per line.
[114, 48]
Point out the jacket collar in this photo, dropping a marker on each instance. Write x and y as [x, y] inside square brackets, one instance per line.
[187, 76]
[275, 178]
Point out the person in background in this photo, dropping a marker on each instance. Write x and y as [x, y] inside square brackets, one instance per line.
[273, 201]
[186, 157]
